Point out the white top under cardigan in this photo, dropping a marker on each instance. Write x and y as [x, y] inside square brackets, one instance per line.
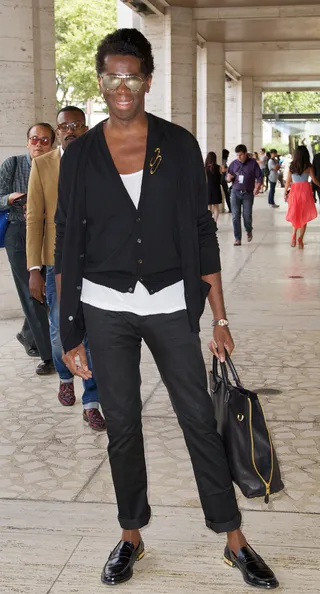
[140, 302]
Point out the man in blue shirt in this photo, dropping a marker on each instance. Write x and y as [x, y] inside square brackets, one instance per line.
[246, 176]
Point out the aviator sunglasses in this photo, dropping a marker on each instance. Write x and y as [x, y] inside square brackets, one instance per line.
[71, 126]
[44, 141]
[111, 82]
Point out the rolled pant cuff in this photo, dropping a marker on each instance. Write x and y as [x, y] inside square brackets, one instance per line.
[89, 405]
[135, 524]
[233, 524]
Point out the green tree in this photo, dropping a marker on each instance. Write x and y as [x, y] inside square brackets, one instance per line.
[80, 25]
[292, 102]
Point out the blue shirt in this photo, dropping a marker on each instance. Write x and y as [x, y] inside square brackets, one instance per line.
[250, 171]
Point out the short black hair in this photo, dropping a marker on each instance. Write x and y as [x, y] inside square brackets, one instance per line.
[45, 125]
[225, 153]
[273, 151]
[241, 148]
[126, 42]
[264, 150]
[71, 108]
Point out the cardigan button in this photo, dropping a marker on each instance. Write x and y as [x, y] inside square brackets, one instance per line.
[70, 318]
[130, 290]
[139, 240]
[79, 288]
[140, 261]
[138, 220]
[81, 255]
[84, 222]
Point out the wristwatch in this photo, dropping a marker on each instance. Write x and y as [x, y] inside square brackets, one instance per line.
[220, 323]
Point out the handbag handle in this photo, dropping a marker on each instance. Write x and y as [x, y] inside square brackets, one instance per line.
[224, 376]
[233, 370]
[224, 371]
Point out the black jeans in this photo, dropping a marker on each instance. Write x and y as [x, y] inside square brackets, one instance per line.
[36, 327]
[115, 344]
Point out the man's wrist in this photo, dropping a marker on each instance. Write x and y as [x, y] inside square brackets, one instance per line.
[35, 269]
[222, 322]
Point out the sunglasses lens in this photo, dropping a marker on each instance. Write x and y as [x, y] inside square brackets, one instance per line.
[44, 141]
[111, 83]
[134, 83]
[64, 127]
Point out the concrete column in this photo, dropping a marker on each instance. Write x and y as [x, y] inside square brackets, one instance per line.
[233, 116]
[257, 119]
[247, 112]
[215, 98]
[211, 98]
[127, 18]
[27, 71]
[173, 39]
[202, 98]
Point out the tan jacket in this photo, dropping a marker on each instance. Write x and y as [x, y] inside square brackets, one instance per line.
[41, 208]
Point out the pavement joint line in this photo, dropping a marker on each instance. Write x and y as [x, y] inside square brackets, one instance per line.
[157, 505]
[65, 565]
[87, 483]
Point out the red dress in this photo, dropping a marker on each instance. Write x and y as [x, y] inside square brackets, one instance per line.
[301, 203]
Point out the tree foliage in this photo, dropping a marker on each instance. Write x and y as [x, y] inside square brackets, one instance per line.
[292, 102]
[80, 25]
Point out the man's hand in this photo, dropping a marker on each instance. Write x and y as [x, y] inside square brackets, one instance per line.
[222, 340]
[69, 359]
[229, 177]
[37, 286]
[14, 197]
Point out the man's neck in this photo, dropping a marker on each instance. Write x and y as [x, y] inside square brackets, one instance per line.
[131, 126]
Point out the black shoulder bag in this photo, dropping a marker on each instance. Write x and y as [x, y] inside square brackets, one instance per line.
[242, 425]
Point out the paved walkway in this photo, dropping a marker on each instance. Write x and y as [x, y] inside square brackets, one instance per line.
[57, 508]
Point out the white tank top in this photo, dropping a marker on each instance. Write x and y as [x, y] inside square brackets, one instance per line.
[140, 302]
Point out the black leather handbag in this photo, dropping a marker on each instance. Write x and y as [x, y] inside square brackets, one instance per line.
[242, 425]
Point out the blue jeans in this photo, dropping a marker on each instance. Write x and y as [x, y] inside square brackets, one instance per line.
[244, 200]
[272, 192]
[90, 397]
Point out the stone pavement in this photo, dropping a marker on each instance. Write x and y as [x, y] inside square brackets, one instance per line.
[57, 506]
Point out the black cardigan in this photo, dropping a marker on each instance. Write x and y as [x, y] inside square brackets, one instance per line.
[197, 230]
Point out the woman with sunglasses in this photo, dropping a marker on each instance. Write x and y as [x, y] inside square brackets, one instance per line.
[14, 178]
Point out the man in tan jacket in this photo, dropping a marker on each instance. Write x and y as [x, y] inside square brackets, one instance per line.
[41, 208]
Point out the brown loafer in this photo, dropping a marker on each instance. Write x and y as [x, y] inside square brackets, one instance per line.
[237, 242]
[249, 236]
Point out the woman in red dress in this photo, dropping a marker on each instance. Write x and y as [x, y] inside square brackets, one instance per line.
[299, 195]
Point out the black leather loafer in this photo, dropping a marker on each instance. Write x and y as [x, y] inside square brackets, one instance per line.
[253, 568]
[119, 567]
[45, 368]
[30, 350]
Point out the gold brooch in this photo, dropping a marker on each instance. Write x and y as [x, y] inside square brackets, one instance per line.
[155, 161]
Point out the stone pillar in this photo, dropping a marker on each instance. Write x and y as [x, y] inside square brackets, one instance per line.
[127, 18]
[215, 98]
[247, 113]
[257, 119]
[233, 117]
[173, 39]
[27, 71]
[211, 98]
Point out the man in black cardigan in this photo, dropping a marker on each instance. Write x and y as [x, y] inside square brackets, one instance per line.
[136, 256]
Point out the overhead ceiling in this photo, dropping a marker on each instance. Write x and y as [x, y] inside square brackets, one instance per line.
[270, 40]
